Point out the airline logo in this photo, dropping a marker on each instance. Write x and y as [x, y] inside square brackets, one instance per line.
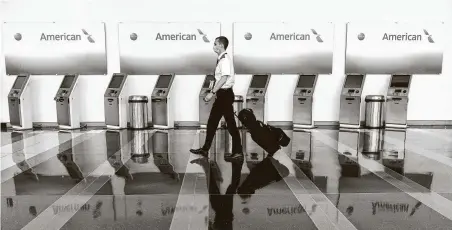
[403, 37]
[178, 36]
[290, 37]
[61, 37]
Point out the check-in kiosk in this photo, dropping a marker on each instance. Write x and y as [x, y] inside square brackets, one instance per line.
[256, 95]
[68, 103]
[303, 101]
[397, 101]
[205, 107]
[350, 105]
[20, 104]
[115, 102]
[162, 105]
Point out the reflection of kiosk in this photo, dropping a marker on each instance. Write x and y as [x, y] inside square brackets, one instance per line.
[256, 95]
[301, 153]
[349, 159]
[20, 104]
[301, 146]
[303, 101]
[162, 105]
[394, 153]
[68, 103]
[161, 146]
[19, 153]
[205, 107]
[66, 157]
[350, 107]
[117, 148]
[115, 102]
[161, 152]
[397, 101]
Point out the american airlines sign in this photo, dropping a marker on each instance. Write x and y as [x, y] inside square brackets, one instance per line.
[395, 48]
[167, 47]
[283, 48]
[56, 48]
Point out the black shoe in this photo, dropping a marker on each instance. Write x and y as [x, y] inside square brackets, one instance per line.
[200, 151]
[234, 157]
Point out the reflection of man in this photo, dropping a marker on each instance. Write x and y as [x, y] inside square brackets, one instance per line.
[223, 105]
[221, 202]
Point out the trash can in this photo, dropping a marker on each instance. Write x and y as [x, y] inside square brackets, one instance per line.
[138, 107]
[374, 111]
[238, 105]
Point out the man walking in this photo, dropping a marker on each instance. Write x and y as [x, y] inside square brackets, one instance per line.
[223, 105]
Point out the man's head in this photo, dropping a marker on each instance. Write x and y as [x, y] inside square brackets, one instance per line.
[220, 45]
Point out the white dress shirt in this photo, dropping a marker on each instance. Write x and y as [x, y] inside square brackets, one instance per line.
[225, 67]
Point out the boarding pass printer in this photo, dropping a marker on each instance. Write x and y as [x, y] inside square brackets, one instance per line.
[20, 104]
[115, 102]
[67, 101]
[256, 95]
[397, 101]
[303, 98]
[350, 101]
[162, 104]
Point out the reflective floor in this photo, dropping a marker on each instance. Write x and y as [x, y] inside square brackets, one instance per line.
[325, 179]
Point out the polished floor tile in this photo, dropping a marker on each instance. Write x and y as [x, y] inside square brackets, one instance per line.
[324, 179]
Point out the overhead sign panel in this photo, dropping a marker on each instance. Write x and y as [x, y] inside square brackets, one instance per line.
[395, 48]
[162, 48]
[283, 48]
[54, 48]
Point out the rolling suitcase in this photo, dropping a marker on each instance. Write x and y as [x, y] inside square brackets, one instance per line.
[266, 136]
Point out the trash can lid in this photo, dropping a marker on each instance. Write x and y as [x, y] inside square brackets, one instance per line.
[238, 98]
[138, 98]
[375, 98]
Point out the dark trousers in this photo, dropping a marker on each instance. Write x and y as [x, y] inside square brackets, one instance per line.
[223, 106]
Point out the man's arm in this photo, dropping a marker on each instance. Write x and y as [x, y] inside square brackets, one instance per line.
[220, 83]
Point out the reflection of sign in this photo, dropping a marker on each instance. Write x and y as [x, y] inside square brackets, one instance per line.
[283, 48]
[188, 208]
[70, 208]
[392, 48]
[290, 210]
[389, 207]
[55, 48]
[162, 48]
